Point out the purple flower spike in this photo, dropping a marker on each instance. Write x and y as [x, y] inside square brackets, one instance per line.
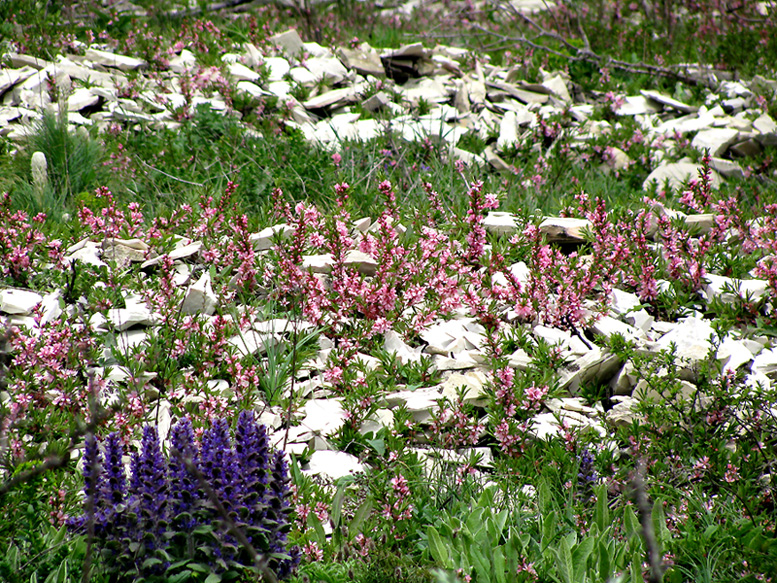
[218, 463]
[184, 486]
[150, 493]
[253, 455]
[114, 486]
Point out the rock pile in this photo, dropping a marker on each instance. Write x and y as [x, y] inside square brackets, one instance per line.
[458, 95]
[456, 348]
[357, 93]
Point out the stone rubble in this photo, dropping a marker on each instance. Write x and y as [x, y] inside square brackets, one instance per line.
[486, 101]
[346, 85]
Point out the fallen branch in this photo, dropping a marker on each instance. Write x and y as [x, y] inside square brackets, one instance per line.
[655, 565]
[215, 7]
[586, 54]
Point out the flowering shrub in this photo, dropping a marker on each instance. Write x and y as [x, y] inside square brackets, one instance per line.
[177, 514]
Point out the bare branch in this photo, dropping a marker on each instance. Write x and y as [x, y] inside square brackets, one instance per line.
[260, 562]
[216, 6]
[656, 567]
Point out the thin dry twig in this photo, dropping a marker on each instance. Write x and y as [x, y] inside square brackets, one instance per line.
[586, 54]
[655, 565]
[260, 561]
[150, 167]
[214, 7]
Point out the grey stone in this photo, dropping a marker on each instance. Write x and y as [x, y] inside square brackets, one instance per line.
[336, 97]
[377, 102]
[691, 337]
[558, 86]
[473, 383]
[364, 60]
[242, 73]
[766, 128]
[667, 101]
[729, 290]
[134, 314]
[747, 148]
[715, 140]
[564, 229]
[265, 238]
[330, 69]
[290, 42]
[333, 464]
[121, 62]
[124, 251]
[766, 363]
[301, 76]
[19, 301]
[252, 342]
[622, 414]
[727, 168]
[277, 67]
[183, 62]
[200, 298]
[733, 354]
[522, 95]
[394, 344]
[501, 223]
[638, 105]
[677, 174]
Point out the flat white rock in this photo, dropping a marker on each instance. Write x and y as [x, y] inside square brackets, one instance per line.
[135, 314]
[691, 336]
[766, 363]
[501, 223]
[200, 298]
[252, 342]
[323, 416]
[242, 73]
[19, 301]
[676, 174]
[394, 344]
[333, 464]
[715, 140]
[733, 354]
[121, 62]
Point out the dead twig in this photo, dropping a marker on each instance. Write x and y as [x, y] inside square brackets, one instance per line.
[655, 565]
[587, 54]
[260, 561]
[216, 6]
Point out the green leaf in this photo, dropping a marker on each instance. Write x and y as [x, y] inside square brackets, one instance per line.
[630, 522]
[151, 562]
[564, 561]
[361, 514]
[663, 536]
[337, 505]
[499, 568]
[379, 445]
[580, 558]
[199, 568]
[605, 561]
[544, 498]
[636, 565]
[314, 523]
[12, 557]
[213, 578]
[438, 549]
[482, 568]
[58, 576]
[549, 527]
[602, 509]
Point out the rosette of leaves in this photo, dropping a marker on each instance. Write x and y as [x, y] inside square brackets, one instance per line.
[176, 518]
